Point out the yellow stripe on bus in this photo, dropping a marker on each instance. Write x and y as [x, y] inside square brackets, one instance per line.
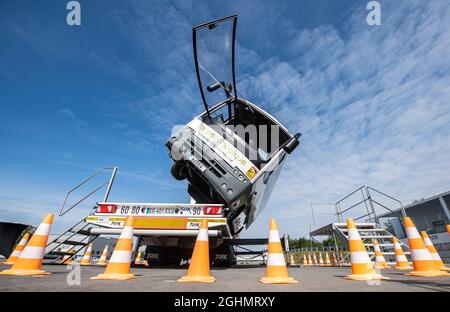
[161, 223]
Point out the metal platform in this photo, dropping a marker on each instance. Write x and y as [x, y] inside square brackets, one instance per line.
[350, 206]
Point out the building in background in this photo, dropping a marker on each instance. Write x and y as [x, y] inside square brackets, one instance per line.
[430, 215]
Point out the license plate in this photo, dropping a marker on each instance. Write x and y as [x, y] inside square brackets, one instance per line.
[172, 211]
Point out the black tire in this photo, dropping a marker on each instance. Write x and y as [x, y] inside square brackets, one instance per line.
[179, 171]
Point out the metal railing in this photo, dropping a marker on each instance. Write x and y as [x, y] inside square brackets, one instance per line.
[368, 201]
[108, 183]
[388, 196]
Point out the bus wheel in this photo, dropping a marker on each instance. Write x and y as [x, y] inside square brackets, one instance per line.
[179, 170]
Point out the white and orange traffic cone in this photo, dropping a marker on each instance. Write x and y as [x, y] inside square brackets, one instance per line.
[139, 258]
[87, 256]
[433, 251]
[310, 262]
[335, 262]
[291, 260]
[327, 259]
[276, 271]
[118, 267]
[362, 267]
[423, 262]
[315, 262]
[18, 250]
[320, 259]
[305, 261]
[400, 257]
[103, 257]
[67, 259]
[448, 228]
[380, 262]
[199, 267]
[30, 259]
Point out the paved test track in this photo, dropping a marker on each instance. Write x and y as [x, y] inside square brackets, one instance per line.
[228, 280]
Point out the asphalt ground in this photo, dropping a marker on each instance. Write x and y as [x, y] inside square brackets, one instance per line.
[240, 278]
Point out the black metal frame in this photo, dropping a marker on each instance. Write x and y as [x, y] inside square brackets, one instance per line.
[367, 198]
[194, 39]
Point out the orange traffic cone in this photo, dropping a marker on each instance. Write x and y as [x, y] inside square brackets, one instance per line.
[400, 258]
[314, 259]
[118, 267]
[17, 251]
[423, 261]
[305, 261]
[327, 259]
[335, 262]
[103, 257]
[138, 260]
[448, 228]
[87, 256]
[433, 251]
[380, 262]
[320, 259]
[310, 262]
[276, 272]
[362, 267]
[199, 267]
[292, 260]
[30, 260]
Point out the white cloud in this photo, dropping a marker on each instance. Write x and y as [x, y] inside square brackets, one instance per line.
[371, 102]
[373, 107]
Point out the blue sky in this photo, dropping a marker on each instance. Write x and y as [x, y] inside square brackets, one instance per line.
[372, 102]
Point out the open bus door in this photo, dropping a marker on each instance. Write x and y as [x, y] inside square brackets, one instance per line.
[214, 44]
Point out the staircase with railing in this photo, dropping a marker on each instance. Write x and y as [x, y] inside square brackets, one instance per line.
[369, 232]
[78, 236]
[371, 228]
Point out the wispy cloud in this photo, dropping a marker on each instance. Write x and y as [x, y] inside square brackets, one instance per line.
[68, 114]
[373, 107]
[371, 102]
